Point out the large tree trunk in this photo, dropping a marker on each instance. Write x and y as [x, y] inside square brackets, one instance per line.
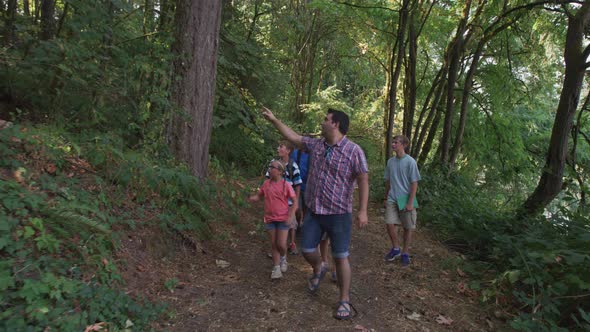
[47, 20]
[193, 89]
[9, 26]
[575, 57]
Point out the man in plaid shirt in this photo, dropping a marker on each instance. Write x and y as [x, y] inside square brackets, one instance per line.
[335, 163]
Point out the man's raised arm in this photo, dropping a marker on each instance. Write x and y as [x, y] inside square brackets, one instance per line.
[287, 132]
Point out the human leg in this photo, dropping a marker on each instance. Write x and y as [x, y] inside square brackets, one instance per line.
[393, 232]
[324, 249]
[274, 250]
[339, 231]
[407, 240]
[281, 243]
[292, 232]
[272, 235]
[392, 223]
[409, 223]
[312, 233]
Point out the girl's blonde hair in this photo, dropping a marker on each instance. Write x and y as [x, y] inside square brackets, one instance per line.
[280, 164]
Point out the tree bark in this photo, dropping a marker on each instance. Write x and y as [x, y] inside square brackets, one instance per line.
[193, 90]
[411, 63]
[454, 58]
[397, 58]
[575, 56]
[47, 20]
[26, 8]
[9, 28]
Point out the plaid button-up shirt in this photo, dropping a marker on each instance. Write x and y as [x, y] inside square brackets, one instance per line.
[332, 171]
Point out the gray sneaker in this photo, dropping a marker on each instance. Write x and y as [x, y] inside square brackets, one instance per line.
[284, 264]
[276, 273]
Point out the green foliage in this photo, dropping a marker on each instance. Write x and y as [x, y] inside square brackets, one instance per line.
[539, 265]
[170, 284]
[100, 72]
[239, 147]
[56, 245]
[549, 272]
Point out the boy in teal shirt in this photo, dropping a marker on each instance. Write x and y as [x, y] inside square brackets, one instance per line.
[401, 184]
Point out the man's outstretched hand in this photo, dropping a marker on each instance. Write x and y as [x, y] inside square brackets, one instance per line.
[267, 114]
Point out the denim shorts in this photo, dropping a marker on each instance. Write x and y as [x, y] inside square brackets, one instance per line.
[336, 226]
[277, 225]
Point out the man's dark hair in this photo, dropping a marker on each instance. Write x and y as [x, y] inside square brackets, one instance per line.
[341, 118]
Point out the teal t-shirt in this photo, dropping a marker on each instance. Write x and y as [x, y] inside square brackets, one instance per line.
[401, 173]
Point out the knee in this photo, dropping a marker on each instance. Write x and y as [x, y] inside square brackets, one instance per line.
[307, 255]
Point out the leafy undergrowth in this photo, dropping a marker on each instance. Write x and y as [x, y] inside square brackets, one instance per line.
[64, 207]
[536, 269]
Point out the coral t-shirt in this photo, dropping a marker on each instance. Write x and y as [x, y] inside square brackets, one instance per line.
[276, 200]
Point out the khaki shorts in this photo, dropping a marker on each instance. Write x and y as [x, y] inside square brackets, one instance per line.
[395, 217]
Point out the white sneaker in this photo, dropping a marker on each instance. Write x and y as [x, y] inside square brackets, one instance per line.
[284, 264]
[276, 272]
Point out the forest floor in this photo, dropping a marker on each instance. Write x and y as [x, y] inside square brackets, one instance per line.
[225, 285]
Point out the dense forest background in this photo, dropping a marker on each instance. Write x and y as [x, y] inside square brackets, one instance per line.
[164, 97]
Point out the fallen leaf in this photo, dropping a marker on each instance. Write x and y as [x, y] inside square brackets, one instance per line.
[460, 272]
[414, 316]
[221, 263]
[95, 327]
[50, 168]
[360, 328]
[18, 175]
[444, 320]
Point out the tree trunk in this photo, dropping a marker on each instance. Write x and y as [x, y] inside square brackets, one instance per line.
[467, 87]
[47, 20]
[454, 58]
[421, 152]
[26, 8]
[166, 14]
[193, 90]
[9, 27]
[575, 57]
[397, 58]
[410, 102]
[62, 19]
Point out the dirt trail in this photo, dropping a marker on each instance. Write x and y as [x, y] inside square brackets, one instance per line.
[241, 296]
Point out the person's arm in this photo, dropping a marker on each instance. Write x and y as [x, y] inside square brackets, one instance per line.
[295, 204]
[287, 132]
[363, 183]
[254, 198]
[297, 193]
[413, 190]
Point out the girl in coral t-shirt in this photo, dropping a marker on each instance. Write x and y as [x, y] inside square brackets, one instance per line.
[276, 192]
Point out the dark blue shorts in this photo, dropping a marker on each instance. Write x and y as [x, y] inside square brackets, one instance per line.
[278, 225]
[338, 228]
